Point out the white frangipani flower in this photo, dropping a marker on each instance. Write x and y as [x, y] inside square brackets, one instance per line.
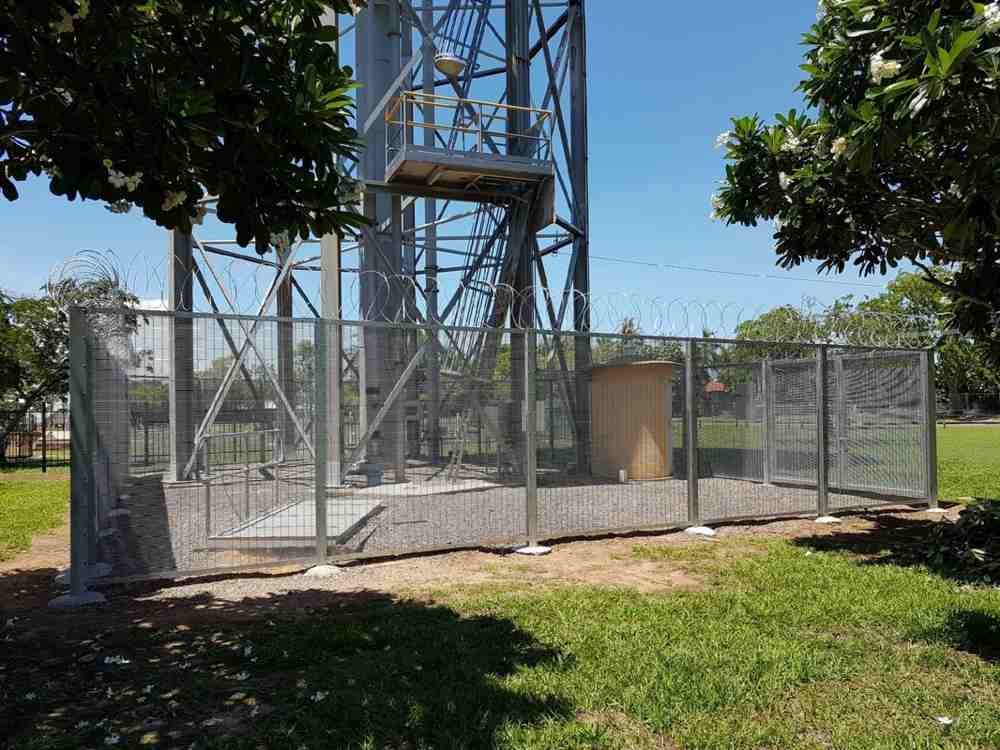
[791, 144]
[991, 17]
[723, 139]
[112, 739]
[785, 181]
[120, 179]
[716, 207]
[318, 696]
[880, 68]
[946, 721]
[839, 147]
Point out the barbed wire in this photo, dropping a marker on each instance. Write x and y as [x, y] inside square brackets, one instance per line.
[400, 298]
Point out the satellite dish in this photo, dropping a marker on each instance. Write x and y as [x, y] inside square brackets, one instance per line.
[449, 63]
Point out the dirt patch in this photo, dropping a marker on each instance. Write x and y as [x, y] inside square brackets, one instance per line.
[26, 580]
[624, 731]
[649, 563]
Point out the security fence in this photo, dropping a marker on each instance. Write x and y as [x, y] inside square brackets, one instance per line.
[282, 440]
[39, 437]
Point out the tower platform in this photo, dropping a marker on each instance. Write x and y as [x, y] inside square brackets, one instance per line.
[475, 156]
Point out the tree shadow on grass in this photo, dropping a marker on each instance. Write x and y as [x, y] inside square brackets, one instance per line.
[892, 539]
[313, 668]
[972, 631]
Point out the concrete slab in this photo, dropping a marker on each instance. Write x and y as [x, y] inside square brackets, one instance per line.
[294, 525]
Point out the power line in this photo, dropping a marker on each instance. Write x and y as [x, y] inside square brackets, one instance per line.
[740, 274]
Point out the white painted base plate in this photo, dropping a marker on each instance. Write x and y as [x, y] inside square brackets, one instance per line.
[827, 519]
[935, 510]
[535, 551]
[69, 601]
[699, 531]
[323, 571]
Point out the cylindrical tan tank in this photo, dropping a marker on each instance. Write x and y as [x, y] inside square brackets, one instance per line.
[630, 406]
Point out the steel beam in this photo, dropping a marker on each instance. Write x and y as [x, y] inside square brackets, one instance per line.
[581, 221]
[180, 260]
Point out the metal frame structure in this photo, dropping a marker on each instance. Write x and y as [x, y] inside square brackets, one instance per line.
[521, 89]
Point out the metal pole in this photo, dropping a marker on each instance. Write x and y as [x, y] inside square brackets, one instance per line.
[930, 426]
[81, 452]
[581, 218]
[691, 420]
[531, 437]
[321, 438]
[840, 449]
[822, 470]
[430, 248]
[284, 303]
[765, 388]
[330, 302]
[45, 445]
[180, 262]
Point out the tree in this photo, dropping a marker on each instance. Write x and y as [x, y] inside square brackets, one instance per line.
[34, 341]
[912, 312]
[159, 103]
[902, 161]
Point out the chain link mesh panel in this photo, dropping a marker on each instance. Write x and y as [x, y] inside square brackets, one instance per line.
[756, 430]
[876, 425]
[420, 477]
[610, 433]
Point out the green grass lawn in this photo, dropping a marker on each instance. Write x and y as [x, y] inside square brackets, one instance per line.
[969, 461]
[30, 503]
[786, 647]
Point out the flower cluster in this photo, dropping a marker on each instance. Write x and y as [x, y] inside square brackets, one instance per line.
[785, 181]
[723, 140]
[839, 148]
[716, 207]
[991, 17]
[791, 144]
[120, 179]
[880, 68]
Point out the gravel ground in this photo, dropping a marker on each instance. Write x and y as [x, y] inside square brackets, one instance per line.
[168, 528]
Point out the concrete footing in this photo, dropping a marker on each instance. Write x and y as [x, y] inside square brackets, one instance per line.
[323, 571]
[533, 551]
[700, 531]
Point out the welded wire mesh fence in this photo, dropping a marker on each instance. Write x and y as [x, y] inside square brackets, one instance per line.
[212, 442]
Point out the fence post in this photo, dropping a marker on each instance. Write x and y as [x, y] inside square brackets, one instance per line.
[531, 436]
[691, 421]
[822, 473]
[45, 444]
[768, 441]
[321, 435]
[82, 488]
[930, 414]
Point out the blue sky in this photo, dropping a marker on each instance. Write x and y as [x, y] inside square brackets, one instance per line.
[665, 77]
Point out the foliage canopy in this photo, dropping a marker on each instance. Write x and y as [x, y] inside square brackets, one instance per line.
[161, 103]
[901, 161]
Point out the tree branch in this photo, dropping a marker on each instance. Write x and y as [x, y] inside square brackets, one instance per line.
[948, 288]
